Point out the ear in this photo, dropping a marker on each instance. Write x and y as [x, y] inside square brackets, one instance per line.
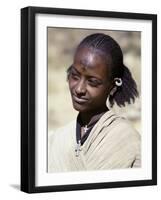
[112, 85]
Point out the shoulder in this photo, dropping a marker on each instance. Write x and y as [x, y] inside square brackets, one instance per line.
[122, 130]
[127, 137]
[125, 127]
[124, 138]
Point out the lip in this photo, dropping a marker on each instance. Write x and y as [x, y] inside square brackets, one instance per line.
[79, 100]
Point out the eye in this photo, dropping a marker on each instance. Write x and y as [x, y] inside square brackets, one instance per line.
[94, 83]
[74, 76]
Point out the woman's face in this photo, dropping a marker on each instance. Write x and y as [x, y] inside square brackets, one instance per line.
[89, 81]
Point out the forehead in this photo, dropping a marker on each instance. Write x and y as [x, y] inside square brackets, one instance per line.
[90, 55]
[93, 61]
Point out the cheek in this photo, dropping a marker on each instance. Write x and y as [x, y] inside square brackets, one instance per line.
[98, 93]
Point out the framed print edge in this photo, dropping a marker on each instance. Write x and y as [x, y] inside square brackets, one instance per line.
[27, 101]
[28, 90]
[154, 99]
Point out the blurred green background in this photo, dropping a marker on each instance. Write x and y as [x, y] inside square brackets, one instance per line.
[61, 46]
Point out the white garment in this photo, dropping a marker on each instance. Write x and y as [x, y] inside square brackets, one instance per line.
[111, 144]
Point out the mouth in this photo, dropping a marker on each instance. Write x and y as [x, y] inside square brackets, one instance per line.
[79, 100]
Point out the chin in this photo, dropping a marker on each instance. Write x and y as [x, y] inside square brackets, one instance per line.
[80, 108]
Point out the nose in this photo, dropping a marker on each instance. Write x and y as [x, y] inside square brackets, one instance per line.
[80, 88]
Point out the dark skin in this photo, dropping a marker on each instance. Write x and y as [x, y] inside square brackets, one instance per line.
[89, 83]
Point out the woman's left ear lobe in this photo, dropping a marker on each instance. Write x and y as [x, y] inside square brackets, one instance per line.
[112, 85]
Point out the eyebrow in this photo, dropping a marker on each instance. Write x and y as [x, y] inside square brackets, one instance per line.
[73, 68]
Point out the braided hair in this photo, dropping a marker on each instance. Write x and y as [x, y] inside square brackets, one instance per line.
[107, 47]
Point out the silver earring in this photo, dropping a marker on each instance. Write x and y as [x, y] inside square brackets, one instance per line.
[118, 82]
[108, 102]
[113, 91]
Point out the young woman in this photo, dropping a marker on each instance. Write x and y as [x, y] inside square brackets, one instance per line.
[98, 139]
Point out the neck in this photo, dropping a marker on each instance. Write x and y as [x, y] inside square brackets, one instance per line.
[87, 116]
